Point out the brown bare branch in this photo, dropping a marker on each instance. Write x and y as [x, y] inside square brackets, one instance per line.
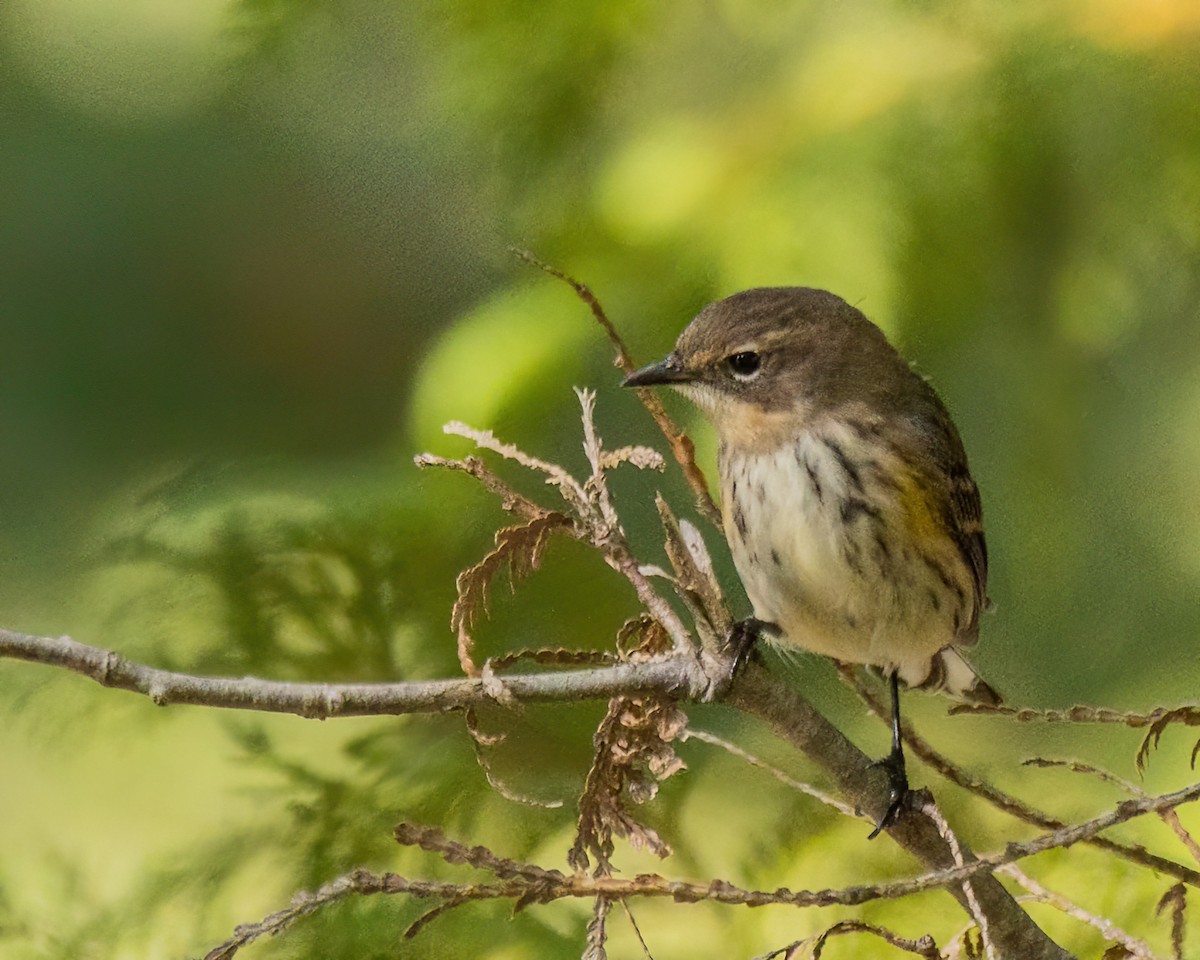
[526, 883]
[924, 947]
[681, 444]
[680, 676]
[1175, 900]
[691, 733]
[509, 499]
[1134, 853]
[1134, 946]
[1157, 720]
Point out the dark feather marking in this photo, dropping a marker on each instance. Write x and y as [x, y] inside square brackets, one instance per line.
[845, 463]
[853, 506]
[942, 575]
[812, 476]
[937, 674]
[775, 557]
[883, 477]
[739, 520]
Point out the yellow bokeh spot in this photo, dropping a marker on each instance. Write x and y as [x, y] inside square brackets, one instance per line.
[1137, 24]
[492, 355]
[661, 180]
[122, 60]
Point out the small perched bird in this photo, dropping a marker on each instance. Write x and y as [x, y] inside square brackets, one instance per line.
[851, 515]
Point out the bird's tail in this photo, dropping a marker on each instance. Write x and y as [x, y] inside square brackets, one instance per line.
[948, 672]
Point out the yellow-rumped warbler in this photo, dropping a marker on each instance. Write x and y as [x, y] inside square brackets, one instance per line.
[851, 515]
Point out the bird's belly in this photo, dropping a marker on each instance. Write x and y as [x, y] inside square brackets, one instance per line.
[824, 554]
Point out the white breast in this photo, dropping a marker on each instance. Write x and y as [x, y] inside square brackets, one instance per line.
[823, 550]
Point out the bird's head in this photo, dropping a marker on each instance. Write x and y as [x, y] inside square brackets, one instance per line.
[762, 361]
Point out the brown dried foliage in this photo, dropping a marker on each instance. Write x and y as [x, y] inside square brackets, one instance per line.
[633, 746]
[597, 930]
[1189, 716]
[695, 581]
[1175, 900]
[633, 752]
[519, 549]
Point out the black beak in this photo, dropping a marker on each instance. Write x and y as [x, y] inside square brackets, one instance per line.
[669, 370]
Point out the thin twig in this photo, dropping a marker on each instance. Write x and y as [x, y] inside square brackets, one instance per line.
[680, 676]
[1134, 853]
[482, 741]
[682, 447]
[525, 883]
[1109, 930]
[430, 915]
[571, 490]
[510, 500]
[691, 733]
[637, 930]
[1175, 899]
[925, 947]
[1169, 817]
[981, 921]
[432, 840]
[597, 522]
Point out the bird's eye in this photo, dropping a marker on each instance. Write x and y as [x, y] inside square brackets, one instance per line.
[744, 365]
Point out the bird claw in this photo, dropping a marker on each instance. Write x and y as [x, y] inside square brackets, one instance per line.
[742, 642]
[899, 793]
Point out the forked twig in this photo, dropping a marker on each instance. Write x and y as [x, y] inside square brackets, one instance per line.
[925, 947]
[1169, 817]
[527, 883]
[1134, 853]
[1110, 931]
[930, 810]
[681, 444]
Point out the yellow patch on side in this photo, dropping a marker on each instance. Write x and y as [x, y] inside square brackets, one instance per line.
[917, 511]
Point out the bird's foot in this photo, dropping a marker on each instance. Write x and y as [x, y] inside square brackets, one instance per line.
[742, 642]
[899, 793]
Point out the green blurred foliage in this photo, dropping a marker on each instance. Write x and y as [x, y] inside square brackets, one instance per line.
[252, 255]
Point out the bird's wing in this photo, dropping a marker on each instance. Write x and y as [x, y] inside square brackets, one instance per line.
[957, 499]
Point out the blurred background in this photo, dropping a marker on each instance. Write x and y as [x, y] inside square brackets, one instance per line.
[253, 254]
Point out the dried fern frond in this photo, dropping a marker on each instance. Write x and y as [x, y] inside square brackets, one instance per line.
[1189, 716]
[555, 475]
[518, 548]
[1175, 900]
[633, 753]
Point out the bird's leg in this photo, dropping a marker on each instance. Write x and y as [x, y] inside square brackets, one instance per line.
[743, 639]
[894, 767]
